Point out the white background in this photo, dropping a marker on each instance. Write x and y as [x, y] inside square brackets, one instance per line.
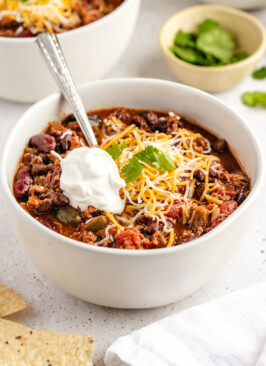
[50, 307]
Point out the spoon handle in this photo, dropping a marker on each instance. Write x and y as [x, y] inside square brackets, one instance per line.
[55, 60]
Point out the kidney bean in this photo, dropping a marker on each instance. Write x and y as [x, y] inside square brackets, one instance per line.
[25, 33]
[44, 158]
[38, 169]
[239, 197]
[43, 142]
[24, 175]
[59, 199]
[48, 223]
[21, 189]
[44, 208]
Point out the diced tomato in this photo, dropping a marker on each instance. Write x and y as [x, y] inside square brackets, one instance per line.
[228, 207]
[175, 212]
[128, 239]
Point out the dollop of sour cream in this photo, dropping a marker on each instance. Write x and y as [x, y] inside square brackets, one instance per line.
[91, 177]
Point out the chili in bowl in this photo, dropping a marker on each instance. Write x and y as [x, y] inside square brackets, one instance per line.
[30, 17]
[154, 257]
[180, 181]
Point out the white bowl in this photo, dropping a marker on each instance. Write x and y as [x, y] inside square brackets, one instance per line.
[91, 51]
[239, 4]
[127, 278]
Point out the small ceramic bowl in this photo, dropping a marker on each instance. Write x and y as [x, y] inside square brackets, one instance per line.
[249, 33]
[239, 4]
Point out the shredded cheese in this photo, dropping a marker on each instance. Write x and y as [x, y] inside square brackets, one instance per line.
[154, 193]
[41, 15]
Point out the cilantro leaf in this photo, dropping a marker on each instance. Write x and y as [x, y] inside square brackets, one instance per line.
[187, 54]
[194, 56]
[185, 39]
[260, 73]
[217, 42]
[132, 170]
[150, 155]
[207, 26]
[252, 99]
[238, 57]
[115, 151]
[166, 163]
[211, 46]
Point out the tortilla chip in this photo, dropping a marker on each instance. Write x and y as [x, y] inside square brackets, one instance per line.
[10, 301]
[21, 346]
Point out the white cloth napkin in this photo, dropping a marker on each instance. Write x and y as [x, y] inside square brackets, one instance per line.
[229, 331]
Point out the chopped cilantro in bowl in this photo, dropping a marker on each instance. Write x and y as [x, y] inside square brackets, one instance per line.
[211, 46]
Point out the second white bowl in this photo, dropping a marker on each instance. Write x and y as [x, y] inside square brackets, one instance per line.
[91, 51]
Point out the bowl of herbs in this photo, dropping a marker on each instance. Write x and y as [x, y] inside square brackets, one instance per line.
[212, 47]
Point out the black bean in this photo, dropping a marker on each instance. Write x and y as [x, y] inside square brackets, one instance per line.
[69, 118]
[139, 122]
[59, 199]
[149, 116]
[199, 175]
[44, 208]
[152, 228]
[94, 118]
[44, 158]
[239, 197]
[122, 114]
[153, 121]
[43, 142]
[64, 144]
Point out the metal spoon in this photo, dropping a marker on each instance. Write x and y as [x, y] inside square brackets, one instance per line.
[55, 60]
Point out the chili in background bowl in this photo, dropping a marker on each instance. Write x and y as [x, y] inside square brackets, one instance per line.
[90, 50]
[126, 278]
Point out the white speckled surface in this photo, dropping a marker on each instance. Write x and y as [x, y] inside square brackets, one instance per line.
[50, 307]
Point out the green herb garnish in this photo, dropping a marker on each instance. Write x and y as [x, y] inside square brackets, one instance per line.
[150, 155]
[132, 170]
[115, 151]
[211, 46]
[253, 99]
[260, 73]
